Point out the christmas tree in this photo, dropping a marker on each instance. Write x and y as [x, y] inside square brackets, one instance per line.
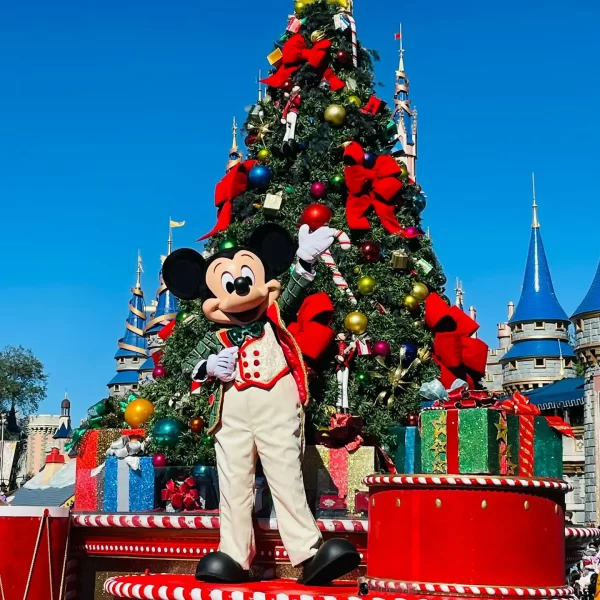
[322, 149]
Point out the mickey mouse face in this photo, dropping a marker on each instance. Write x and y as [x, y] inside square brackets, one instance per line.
[237, 285]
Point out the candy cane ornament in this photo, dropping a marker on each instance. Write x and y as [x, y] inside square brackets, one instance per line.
[338, 278]
[348, 12]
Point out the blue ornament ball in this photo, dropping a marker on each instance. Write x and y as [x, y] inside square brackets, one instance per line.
[260, 177]
[369, 160]
[408, 352]
[303, 146]
[166, 432]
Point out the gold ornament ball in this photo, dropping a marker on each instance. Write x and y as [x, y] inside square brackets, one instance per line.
[335, 114]
[356, 322]
[355, 100]
[299, 6]
[366, 285]
[329, 410]
[403, 170]
[420, 291]
[263, 155]
[410, 302]
[356, 270]
[317, 36]
[138, 412]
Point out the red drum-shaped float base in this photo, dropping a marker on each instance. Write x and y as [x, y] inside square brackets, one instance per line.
[471, 531]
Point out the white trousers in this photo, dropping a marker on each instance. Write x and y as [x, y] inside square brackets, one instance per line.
[266, 424]
[290, 126]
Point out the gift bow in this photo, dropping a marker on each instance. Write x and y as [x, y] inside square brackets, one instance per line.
[181, 495]
[344, 430]
[227, 190]
[312, 330]
[458, 396]
[454, 350]
[128, 450]
[295, 53]
[368, 188]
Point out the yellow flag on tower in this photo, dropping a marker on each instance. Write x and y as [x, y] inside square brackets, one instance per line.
[176, 223]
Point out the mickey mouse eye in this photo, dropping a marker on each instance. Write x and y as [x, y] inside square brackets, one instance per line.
[227, 282]
[248, 274]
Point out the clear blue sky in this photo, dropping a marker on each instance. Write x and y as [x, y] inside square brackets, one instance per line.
[117, 114]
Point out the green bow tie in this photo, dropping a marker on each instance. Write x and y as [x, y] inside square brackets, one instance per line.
[237, 335]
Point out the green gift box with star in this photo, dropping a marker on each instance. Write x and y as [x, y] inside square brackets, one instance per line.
[467, 441]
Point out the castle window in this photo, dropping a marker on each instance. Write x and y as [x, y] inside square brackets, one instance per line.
[568, 362]
[519, 327]
[116, 388]
[560, 326]
[579, 325]
[135, 359]
[135, 386]
[540, 363]
[489, 377]
[121, 361]
[539, 325]
[512, 365]
[493, 352]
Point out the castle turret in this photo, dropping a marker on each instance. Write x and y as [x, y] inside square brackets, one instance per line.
[133, 348]
[405, 148]
[165, 310]
[64, 430]
[587, 346]
[540, 352]
[235, 156]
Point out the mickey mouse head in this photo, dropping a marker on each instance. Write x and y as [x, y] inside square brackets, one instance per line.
[237, 285]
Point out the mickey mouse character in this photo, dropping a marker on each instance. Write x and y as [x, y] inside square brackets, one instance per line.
[263, 387]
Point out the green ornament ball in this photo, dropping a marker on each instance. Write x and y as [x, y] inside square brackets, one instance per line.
[337, 181]
[166, 432]
[289, 190]
[227, 244]
[263, 155]
[182, 315]
[362, 378]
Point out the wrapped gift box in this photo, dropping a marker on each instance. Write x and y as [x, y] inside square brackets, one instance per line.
[547, 450]
[337, 470]
[406, 449]
[91, 452]
[127, 488]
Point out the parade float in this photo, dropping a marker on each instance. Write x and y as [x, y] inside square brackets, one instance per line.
[315, 367]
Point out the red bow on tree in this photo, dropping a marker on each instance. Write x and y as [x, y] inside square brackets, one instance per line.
[312, 330]
[295, 54]
[227, 190]
[458, 355]
[181, 495]
[368, 188]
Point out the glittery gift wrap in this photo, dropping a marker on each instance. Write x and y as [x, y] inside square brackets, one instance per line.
[547, 450]
[336, 470]
[91, 452]
[406, 449]
[461, 441]
[127, 489]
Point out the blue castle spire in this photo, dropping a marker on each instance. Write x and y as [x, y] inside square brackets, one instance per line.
[538, 300]
[133, 347]
[591, 302]
[167, 305]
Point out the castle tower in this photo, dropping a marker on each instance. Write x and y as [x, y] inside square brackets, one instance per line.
[64, 432]
[165, 310]
[587, 346]
[540, 352]
[405, 148]
[133, 348]
[235, 156]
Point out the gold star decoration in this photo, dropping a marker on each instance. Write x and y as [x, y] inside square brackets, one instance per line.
[439, 465]
[439, 446]
[502, 430]
[439, 425]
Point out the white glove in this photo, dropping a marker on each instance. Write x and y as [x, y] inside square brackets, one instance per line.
[221, 366]
[312, 245]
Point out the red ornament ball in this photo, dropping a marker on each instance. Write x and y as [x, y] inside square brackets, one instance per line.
[371, 252]
[411, 232]
[412, 420]
[159, 460]
[159, 372]
[343, 58]
[251, 139]
[382, 349]
[318, 190]
[196, 424]
[316, 215]
[287, 86]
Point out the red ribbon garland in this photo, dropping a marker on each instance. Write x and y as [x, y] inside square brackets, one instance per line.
[227, 190]
[463, 397]
[368, 188]
[295, 53]
[458, 355]
[312, 330]
[181, 495]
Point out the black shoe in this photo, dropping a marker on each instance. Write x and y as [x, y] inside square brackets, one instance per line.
[218, 567]
[334, 559]
[290, 148]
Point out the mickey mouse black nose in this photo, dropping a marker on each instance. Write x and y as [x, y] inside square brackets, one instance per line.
[242, 286]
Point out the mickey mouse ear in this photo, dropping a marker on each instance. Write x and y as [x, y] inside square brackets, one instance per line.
[183, 272]
[275, 246]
